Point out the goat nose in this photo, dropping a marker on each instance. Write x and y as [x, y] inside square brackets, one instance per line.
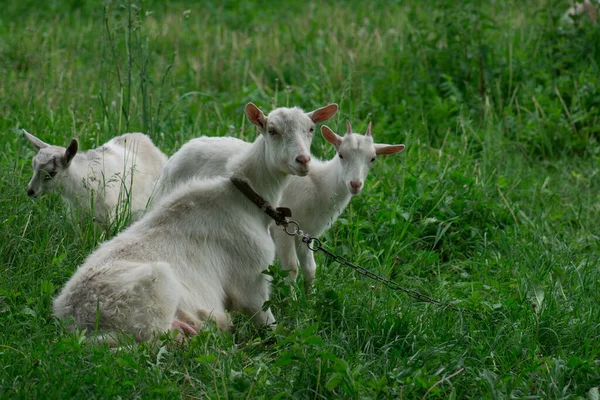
[303, 159]
[356, 184]
[30, 192]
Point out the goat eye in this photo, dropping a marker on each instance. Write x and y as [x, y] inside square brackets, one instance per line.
[273, 132]
[341, 156]
[311, 130]
[50, 175]
[372, 159]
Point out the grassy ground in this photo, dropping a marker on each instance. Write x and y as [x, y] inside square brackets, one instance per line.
[494, 205]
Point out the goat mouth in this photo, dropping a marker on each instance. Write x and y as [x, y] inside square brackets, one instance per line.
[298, 171]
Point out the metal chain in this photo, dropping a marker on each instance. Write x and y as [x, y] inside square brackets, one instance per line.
[281, 217]
[315, 245]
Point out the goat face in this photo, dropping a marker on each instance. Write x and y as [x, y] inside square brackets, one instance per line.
[288, 133]
[356, 154]
[49, 165]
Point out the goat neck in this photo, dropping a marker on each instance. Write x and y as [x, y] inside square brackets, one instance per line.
[331, 177]
[266, 180]
[73, 186]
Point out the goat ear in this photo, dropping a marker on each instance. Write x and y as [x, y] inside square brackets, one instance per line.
[382, 149]
[256, 116]
[37, 143]
[323, 113]
[331, 136]
[70, 152]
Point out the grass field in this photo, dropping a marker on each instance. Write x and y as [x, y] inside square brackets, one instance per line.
[494, 206]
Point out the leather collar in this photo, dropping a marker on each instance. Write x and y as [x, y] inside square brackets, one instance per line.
[279, 214]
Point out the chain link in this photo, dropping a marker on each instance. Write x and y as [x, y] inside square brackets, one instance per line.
[315, 245]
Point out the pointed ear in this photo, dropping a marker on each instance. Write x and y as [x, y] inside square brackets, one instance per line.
[256, 116]
[70, 152]
[323, 113]
[331, 136]
[37, 143]
[382, 149]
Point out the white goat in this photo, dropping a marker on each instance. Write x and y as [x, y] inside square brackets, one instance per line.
[579, 8]
[113, 179]
[315, 202]
[201, 250]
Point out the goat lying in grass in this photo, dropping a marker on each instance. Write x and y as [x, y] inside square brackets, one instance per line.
[201, 250]
[315, 202]
[108, 182]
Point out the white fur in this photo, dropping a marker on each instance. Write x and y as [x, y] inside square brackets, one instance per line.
[201, 250]
[579, 8]
[201, 157]
[114, 179]
[315, 202]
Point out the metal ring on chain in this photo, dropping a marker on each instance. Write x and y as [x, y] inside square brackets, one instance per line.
[313, 244]
[295, 226]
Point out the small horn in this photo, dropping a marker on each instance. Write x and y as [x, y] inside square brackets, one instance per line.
[348, 128]
[368, 130]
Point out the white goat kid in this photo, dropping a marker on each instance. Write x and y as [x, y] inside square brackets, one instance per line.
[317, 202]
[201, 250]
[115, 178]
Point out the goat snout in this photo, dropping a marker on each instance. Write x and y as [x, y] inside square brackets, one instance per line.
[30, 192]
[355, 186]
[303, 160]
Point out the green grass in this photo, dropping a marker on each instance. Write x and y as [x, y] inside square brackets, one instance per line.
[494, 205]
